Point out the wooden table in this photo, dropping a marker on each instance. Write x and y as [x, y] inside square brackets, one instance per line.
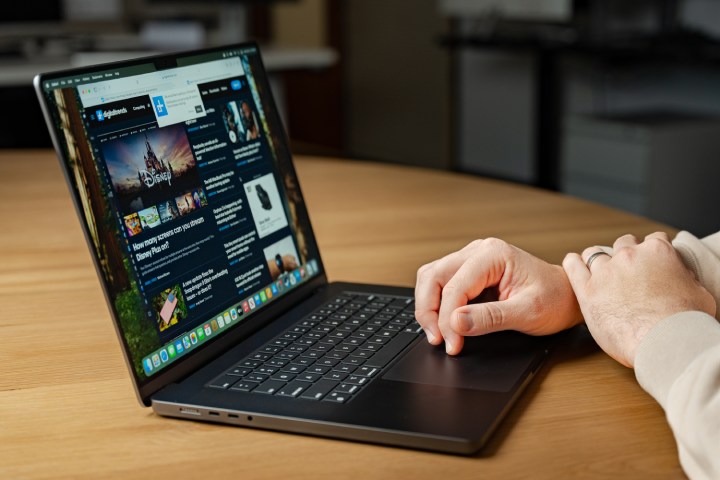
[67, 408]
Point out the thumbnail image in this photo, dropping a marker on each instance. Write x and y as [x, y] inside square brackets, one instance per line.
[169, 305]
[264, 200]
[249, 122]
[168, 211]
[149, 217]
[132, 224]
[281, 257]
[185, 203]
[233, 125]
[150, 167]
[199, 198]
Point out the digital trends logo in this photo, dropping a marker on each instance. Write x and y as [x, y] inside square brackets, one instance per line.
[159, 104]
[100, 115]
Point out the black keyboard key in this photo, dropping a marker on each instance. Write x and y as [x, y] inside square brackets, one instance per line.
[378, 340]
[277, 362]
[269, 387]
[338, 376]
[256, 377]
[283, 376]
[308, 377]
[366, 371]
[335, 355]
[321, 370]
[369, 328]
[293, 389]
[260, 357]
[357, 380]
[353, 361]
[345, 348]
[285, 355]
[371, 347]
[250, 363]
[266, 370]
[362, 335]
[293, 368]
[327, 362]
[390, 351]
[348, 388]
[338, 334]
[296, 348]
[386, 332]
[319, 390]
[362, 354]
[337, 397]
[243, 386]
[344, 368]
[223, 381]
[239, 371]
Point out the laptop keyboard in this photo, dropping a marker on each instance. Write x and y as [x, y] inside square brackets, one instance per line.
[331, 354]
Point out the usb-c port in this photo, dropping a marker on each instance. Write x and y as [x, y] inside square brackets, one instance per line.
[214, 413]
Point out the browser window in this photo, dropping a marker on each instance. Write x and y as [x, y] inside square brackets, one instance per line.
[194, 228]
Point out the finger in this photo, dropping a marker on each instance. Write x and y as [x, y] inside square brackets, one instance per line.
[483, 318]
[577, 273]
[482, 270]
[628, 240]
[658, 236]
[431, 279]
[593, 256]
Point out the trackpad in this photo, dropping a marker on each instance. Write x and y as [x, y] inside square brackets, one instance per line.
[493, 362]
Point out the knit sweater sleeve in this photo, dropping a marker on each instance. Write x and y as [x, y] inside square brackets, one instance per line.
[678, 363]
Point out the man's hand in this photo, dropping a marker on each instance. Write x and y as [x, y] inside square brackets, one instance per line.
[622, 297]
[533, 296]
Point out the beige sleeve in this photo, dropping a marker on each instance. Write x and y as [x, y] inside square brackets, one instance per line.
[678, 363]
[703, 258]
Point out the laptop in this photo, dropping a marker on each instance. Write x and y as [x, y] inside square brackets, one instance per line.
[183, 181]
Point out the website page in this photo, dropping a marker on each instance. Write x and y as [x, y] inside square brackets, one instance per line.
[188, 174]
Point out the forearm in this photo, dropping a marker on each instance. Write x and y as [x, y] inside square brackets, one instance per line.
[678, 363]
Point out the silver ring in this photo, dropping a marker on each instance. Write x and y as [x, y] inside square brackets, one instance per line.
[592, 257]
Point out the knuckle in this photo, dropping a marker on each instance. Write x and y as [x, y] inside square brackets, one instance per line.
[425, 271]
[495, 318]
[475, 244]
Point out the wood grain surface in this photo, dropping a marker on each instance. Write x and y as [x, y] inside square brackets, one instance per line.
[67, 408]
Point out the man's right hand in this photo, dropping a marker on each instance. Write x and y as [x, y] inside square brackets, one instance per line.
[533, 296]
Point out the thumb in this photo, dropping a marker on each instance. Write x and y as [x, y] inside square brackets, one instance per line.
[482, 318]
[577, 273]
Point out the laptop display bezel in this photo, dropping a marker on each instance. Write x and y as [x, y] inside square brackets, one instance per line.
[189, 363]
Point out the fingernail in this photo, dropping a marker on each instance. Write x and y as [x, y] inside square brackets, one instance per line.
[448, 346]
[463, 322]
[431, 338]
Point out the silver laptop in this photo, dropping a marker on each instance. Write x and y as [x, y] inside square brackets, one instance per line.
[183, 181]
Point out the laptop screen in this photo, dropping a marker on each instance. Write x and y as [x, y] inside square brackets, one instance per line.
[184, 182]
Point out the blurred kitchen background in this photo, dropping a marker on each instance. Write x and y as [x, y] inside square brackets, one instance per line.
[611, 100]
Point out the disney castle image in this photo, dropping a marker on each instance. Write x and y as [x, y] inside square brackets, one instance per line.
[154, 168]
